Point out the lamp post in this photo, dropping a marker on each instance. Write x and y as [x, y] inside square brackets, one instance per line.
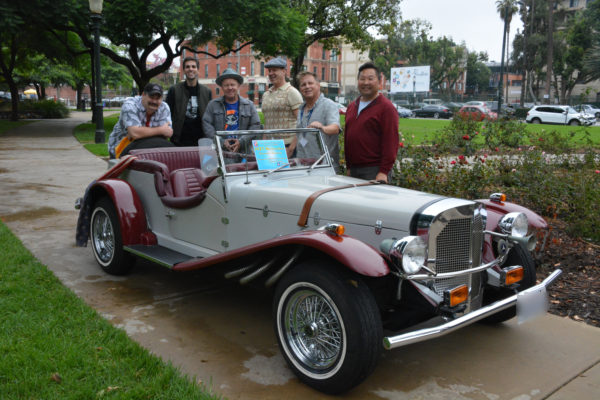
[96, 10]
[501, 83]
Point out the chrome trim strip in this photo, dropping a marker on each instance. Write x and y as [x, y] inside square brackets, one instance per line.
[453, 274]
[392, 342]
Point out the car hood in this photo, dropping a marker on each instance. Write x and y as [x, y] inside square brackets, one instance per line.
[364, 205]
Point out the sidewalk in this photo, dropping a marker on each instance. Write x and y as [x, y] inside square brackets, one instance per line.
[224, 336]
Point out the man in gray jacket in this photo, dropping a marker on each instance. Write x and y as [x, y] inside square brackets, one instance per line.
[230, 112]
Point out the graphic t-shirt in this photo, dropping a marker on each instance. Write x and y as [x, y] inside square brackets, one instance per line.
[191, 110]
[192, 124]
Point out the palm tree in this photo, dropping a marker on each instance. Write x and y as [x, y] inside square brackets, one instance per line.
[506, 9]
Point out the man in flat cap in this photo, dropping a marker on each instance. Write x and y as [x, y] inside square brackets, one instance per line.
[231, 112]
[145, 122]
[281, 102]
[188, 100]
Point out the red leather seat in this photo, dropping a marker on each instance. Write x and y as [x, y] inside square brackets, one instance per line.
[187, 181]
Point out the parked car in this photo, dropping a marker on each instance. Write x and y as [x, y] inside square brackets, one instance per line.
[433, 112]
[589, 109]
[477, 113]
[476, 103]
[404, 112]
[454, 106]
[356, 266]
[432, 101]
[563, 115]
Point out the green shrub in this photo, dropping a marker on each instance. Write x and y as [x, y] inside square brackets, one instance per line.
[504, 132]
[521, 113]
[45, 108]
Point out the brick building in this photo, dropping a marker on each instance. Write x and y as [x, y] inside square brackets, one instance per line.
[326, 64]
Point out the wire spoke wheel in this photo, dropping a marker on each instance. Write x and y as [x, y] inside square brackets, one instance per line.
[314, 329]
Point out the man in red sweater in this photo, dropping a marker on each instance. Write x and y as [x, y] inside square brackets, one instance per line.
[371, 137]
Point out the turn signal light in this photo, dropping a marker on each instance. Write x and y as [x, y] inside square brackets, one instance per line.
[455, 296]
[513, 275]
[498, 197]
[336, 229]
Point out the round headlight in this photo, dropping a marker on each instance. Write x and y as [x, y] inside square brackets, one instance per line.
[414, 255]
[515, 224]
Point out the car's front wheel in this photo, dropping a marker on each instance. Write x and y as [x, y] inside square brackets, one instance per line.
[436, 115]
[536, 121]
[105, 233]
[328, 326]
[574, 122]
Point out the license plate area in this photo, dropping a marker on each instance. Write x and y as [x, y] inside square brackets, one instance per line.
[531, 303]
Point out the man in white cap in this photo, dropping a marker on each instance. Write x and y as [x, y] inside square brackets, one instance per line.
[281, 102]
[231, 112]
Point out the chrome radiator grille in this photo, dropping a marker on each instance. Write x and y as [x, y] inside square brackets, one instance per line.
[458, 246]
[454, 253]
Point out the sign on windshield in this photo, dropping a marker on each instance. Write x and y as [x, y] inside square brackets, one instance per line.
[270, 154]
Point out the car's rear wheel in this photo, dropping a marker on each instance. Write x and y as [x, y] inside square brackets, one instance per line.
[518, 255]
[436, 115]
[328, 326]
[574, 122]
[107, 244]
[536, 121]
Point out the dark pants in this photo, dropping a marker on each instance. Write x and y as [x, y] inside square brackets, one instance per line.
[367, 173]
[147, 143]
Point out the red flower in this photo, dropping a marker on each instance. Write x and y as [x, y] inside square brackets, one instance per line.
[466, 137]
[401, 144]
[597, 171]
[461, 157]
[497, 149]
[482, 160]
[453, 162]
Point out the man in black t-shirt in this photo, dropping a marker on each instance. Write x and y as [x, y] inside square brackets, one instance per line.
[187, 101]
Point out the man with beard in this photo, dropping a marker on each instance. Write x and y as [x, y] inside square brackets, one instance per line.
[187, 101]
[145, 122]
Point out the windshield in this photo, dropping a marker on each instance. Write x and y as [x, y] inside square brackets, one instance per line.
[270, 150]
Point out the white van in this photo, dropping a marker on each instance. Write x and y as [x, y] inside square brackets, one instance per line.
[432, 102]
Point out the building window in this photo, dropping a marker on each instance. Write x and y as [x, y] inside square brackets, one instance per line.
[573, 3]
[228, 65]
[323, 56]
[217, 91]
[206, 70]
[262, 68]
[333, 56]
[237, 67]
[323, 73]
[252, 68]
[333, 75]
[304, 67]
[315, 71]
[218, 70]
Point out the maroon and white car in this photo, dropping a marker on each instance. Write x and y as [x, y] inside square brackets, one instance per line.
[354, 266]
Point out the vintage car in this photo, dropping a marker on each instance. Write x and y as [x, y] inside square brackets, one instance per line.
[355, 266]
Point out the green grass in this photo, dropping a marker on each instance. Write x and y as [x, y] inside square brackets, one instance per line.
[86, 133]
[54, 346]
[5, 125]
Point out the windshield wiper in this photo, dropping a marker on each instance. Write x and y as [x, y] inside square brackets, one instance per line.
[318, 161]
[278, 168]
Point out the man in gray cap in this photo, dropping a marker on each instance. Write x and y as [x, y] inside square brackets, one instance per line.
[231, 112]
[281, 102]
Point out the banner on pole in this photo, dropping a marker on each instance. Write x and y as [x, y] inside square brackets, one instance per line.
[409, 79]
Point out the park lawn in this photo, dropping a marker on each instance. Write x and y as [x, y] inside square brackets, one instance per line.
[86, 134]
[5, 125]
[54, 346]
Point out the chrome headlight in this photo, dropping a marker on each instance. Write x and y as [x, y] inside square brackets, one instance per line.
[409, 253]
[514, 224]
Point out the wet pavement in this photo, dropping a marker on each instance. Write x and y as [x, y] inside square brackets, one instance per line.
[221, 333]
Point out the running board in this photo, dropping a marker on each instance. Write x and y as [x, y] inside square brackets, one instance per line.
[158, 254]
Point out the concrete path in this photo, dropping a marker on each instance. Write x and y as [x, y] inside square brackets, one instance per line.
[222, 334]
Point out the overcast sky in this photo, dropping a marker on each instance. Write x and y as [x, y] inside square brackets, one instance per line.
[476, 22]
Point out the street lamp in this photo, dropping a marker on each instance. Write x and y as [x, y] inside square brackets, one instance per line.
[96, 10]
[500, 84]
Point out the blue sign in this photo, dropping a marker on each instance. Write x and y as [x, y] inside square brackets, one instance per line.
[270, 154]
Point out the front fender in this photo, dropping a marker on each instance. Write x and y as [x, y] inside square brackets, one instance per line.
[129, 208]
[353, 253]
[495, 211]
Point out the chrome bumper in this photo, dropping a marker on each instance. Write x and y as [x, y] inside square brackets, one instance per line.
[391, 342]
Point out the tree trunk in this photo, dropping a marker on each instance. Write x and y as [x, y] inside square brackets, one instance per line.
[550, 57]
[297, 66]
[14, 93]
